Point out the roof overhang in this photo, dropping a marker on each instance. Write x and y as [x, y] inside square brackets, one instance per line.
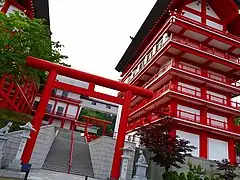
[160, 12]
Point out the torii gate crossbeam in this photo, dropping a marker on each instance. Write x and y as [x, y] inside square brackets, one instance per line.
[54, 70]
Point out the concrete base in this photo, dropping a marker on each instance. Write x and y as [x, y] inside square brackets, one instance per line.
[15, 165]
[11, 174]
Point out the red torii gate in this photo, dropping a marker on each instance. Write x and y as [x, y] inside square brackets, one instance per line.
[54, 70]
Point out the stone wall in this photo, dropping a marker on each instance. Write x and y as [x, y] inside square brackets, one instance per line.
[101, 151]
[43, 144]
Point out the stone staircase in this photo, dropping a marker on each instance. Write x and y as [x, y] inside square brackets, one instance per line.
[58, 157]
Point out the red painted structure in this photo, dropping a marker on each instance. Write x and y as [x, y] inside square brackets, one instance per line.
[27, 7]
[15, 96]
[55, 69]
[187, 53]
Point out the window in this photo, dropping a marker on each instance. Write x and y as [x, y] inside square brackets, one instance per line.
[60, 110]
[64, 93]
[35, 104]
[94, 103]
[108, 106]
[54, 91]
[49, 108]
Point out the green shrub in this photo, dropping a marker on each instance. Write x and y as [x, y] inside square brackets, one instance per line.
[16, 118]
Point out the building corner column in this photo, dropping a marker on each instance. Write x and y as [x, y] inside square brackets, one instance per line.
[203, 145]
[232, 151]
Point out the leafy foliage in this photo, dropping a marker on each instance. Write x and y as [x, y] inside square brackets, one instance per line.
[99, 115]
[21, 37]
[15, 117]
[168, 150]
[227, 170]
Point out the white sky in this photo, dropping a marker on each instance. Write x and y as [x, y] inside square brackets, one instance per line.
[96, 32]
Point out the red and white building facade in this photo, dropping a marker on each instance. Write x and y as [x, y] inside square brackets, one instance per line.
[187, 52]
[64, 107]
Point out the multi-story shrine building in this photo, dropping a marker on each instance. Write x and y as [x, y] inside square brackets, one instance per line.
[64, 107]
[187, 52]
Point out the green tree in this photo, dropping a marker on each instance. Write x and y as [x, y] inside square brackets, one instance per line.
[20, 37]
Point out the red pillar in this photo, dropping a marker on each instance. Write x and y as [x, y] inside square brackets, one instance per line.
[115, 173]
[104, 129]
[203, 145]
[37, 120]
[232, 151]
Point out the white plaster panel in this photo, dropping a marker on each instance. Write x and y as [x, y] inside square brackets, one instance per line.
[72, 110]
[211, 13]
[193, 90]
[11, 9]
[193, 138]
[189, 113]
[195, 5]
[216, 120]
[214, 25]
[217, 97]
[217, 149]
[192, 16]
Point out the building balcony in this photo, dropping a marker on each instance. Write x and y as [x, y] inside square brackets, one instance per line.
[186, 94]
[212, 36]
[189, 72]
[188, 43]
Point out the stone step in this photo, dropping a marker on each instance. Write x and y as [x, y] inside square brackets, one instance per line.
[58, 157]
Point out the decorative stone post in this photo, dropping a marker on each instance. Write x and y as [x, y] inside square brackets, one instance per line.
[3, 139]
[125, 158]
[16, 163]
[141, 168]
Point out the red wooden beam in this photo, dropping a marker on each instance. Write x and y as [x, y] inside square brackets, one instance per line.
[83, 76]
[97, 120]
[86, 92]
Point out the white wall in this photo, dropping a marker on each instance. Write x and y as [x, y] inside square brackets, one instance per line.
[11, 9]
[217, 97]
[193, 138]
[186, 110]
[99, 106]
[192, 16]
[72, 110]
[217, 150]
[213, 117]
[194, 5]
[189, 89]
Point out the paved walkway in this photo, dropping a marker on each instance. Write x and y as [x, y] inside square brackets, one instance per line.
[51, 175]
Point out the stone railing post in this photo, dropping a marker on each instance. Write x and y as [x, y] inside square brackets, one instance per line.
[141, 168]
[3, 139]
[125, 158]
[16, 163]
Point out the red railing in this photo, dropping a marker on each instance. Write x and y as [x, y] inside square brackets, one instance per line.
[189, 90]
[205, 26]
[71, 152]
[208, 50]
[217, 123]
[217, 99]
[188, 68]
[162, 70]
[157, 94]
[188, 115]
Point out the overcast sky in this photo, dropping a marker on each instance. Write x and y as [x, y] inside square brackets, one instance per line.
[96, 32]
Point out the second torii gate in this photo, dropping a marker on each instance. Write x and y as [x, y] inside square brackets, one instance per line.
[54, 70]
